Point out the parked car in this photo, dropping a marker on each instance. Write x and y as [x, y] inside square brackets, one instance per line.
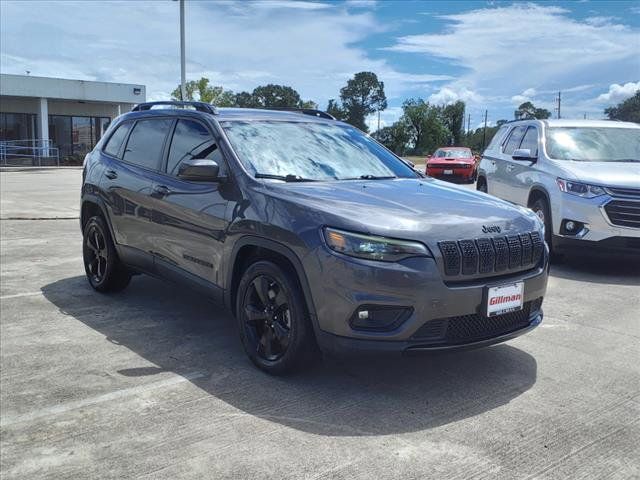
[452, 163]
[581, 177]
[314, 235]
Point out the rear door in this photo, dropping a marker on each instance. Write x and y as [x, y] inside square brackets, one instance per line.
[190, 217]
[504, 164]
[128, 182]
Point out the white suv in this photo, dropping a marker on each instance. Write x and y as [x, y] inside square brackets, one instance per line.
[582, 178]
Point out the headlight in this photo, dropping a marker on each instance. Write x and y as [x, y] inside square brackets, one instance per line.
[372, 247]
[580, 189]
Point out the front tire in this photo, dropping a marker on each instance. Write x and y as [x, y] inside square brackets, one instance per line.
[275, 328]
[104, 270]
[481, 186]
[541, 208]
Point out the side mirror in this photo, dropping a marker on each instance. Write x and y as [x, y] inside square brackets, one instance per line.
[199, 170]
[523, 154]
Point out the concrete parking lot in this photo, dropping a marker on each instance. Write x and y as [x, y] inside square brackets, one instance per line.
[152, 382]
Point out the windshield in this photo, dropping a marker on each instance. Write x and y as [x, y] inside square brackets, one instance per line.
[594, 144]
[311, 151]
[460, 153]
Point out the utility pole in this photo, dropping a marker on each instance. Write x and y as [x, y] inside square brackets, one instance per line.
[558, 107]
[183, 79]
[484, 133]
[468, 123]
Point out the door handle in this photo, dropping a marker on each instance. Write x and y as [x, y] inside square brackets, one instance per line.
[111, 174]
[161, 190]
[510, 168]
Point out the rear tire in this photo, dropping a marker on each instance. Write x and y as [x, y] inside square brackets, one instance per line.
[275, 328]
[105, 272]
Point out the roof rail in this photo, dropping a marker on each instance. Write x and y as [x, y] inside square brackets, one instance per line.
[198, 106]
[305, 111]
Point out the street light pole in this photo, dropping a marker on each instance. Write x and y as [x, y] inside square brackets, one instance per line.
[183, 79]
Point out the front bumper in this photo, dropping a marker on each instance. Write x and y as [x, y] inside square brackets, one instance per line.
[341, 285]
[599, 230]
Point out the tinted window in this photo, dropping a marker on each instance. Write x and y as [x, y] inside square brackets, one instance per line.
[190, 140]
[530, 141]
[113, 145]
[145, 143]
[514, 140]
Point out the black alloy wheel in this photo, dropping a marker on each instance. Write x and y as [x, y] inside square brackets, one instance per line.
[273, 319]
[104, 270]
[96, 254]
[267, 318]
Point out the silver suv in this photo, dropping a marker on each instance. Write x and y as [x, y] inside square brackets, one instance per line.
[582, 178]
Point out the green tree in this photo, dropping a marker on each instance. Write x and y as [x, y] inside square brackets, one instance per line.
[425, 126]
[527, 111]
[628, 110]
[334, 108]
[244, 100]
[200, 90]
[395, 137]
[362, 96]
[453, 118]
[276, 96]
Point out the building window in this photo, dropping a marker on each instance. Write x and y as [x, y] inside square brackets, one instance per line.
[17, 126]
[76, 136]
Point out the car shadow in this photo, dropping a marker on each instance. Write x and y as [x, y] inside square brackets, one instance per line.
[601, 268]
[178, 331]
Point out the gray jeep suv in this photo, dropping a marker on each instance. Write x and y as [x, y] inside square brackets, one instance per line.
[315, 236]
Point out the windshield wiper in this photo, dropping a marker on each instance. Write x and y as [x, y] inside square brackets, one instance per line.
[372, 177]
[284, 178]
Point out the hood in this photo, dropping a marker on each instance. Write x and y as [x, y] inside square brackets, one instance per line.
[415, 209]
[611, 174]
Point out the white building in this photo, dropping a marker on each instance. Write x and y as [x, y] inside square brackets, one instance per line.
[68, 115]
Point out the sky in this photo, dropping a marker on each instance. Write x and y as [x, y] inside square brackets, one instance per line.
[494, 55]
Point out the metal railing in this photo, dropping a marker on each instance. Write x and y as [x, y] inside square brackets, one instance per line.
[29, 153]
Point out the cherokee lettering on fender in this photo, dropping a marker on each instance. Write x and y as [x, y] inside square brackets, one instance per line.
[491, 229]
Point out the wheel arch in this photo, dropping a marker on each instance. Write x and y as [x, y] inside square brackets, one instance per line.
[90, 206]
[249, 249]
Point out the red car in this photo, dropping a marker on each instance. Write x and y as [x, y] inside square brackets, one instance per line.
[452, 163]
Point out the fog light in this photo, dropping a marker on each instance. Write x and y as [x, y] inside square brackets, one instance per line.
[571, 227]
[379, 318]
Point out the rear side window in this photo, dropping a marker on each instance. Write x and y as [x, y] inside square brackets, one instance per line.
[514, 139]
[146, 141]
[530, 141]
[115, 142]
[191, 140]
[497, 138]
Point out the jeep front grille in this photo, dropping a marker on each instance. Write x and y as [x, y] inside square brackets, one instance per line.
[491, 255]
[624, 213]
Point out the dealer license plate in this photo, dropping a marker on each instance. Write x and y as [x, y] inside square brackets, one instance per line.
[448, 172]
[505, 298]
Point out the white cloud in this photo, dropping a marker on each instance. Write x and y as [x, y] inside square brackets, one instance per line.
[310, 46]
[387, 118]
[449, 95]
[525, 96]
[618, 93]
[502, 51]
